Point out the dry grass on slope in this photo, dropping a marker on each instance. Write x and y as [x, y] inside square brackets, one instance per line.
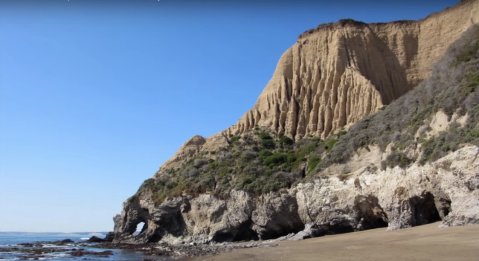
[452, 88]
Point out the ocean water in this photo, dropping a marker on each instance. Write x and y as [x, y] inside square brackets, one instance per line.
[8, 240]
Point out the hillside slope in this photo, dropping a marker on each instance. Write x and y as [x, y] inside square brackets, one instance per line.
[338, 73]
[411, 163]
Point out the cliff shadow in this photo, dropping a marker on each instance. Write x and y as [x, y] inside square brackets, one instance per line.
[382, 66]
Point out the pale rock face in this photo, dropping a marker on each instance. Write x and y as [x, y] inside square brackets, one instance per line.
[220, 220]
[447, 190]
[205, 218]
[337, 74]
[404, 197]
[440, 122]
[276, 215]
[188, 150]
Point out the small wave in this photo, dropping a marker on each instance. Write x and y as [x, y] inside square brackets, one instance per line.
[84, 238]
[57, 255]
[57, 246]
[96, 234]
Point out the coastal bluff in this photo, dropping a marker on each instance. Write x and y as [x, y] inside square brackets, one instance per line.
[262, 178]
[340, 72]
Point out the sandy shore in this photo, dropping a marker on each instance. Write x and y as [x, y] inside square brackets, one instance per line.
[426, 242]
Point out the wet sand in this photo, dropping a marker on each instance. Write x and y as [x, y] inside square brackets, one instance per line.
[426, 242]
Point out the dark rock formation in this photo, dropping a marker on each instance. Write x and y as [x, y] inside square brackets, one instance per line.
[95, 239]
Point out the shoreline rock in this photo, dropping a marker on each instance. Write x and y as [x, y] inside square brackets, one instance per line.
[184, 250]
[369, 198]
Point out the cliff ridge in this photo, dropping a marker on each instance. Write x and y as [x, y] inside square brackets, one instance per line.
[339, 141]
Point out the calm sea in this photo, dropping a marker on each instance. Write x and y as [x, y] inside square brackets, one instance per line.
[12, 239]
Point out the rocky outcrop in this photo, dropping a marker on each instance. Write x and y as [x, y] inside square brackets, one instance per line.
[338, 73]
[186, 151]
[397, 197]
[335, 75]
[207, 218]
[447, 190]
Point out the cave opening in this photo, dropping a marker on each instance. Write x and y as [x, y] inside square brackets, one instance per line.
[443, 206]
[139, 228]
[380, 223]
[332, 229]
[370, 213]
[154, 238]
[243, 233]
[266, 235]
[282, 231]
[339, 229]
[246, 233]
[424, 209]
[371, 223]
[446, 212]
[223, 237]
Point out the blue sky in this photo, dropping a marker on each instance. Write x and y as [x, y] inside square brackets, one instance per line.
[96, 95]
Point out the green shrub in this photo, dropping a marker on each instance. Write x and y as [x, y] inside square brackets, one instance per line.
[268, 172]
[275, 159]
[234, 140]
[396, 158]
[171, 184]
[285, 140]
[329, 144]
[248, 155]
[468, 53]
[265, 153]
[471, 83]
[265, 136]
[273, 186]
[267, 141]
[313, 162]
[130, 199]
[158, 198]
[149, 183]
[291, 158]
[341, 133]
[268, 144]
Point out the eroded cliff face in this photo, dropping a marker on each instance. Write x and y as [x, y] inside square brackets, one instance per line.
[338, 73]
[335, 75]
[447, 189]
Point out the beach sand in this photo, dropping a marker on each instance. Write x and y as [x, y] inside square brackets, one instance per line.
[426, 242]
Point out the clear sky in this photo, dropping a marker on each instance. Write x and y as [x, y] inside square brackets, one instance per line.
[96, 95]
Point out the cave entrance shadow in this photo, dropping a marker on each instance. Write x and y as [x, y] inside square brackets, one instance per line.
[370, 213]
[424, 209]
[242, 233]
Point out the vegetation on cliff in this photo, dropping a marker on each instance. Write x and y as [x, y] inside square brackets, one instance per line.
[259, 161]
[452, 89]
[256, 162]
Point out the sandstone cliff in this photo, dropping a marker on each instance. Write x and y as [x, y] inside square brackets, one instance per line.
[338, 73]
[411, 163]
